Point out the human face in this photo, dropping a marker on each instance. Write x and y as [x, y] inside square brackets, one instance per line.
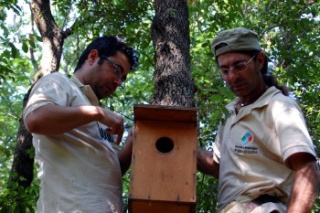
[110, 74]
[117, 69]
[242, 74]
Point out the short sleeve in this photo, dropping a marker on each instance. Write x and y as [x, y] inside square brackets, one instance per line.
[50, 89]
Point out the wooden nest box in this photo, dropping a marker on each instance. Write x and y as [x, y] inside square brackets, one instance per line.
[163, 172]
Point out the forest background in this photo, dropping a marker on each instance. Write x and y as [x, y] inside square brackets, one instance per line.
[288, 30]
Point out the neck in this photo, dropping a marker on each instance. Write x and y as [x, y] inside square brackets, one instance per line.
[80, 77]
[243, 101]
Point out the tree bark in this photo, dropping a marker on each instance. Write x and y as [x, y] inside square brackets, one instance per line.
[23, 161]
[53, 37]
[174, 85]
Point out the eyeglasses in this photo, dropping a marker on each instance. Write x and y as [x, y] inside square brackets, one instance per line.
[117, 69]
[239, 67]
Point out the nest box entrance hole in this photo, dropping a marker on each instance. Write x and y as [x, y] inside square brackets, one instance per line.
[164, 144]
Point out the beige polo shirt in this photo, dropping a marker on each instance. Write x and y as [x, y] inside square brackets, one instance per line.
[252, 146]
[79, 170]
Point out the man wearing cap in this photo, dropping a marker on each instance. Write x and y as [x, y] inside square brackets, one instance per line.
[263, 154]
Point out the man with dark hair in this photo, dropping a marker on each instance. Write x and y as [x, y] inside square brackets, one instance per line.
[80, 171]
[263, 154]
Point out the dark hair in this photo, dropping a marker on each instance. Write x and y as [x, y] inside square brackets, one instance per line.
[268, 78]
[108, 46]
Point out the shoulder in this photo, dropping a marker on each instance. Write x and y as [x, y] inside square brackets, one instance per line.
[56, 76]
[279, 102]
[280, 107]
[55, 79]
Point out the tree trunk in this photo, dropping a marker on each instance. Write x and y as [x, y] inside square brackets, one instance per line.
[52, 36]
[21, 175]
[170, 34]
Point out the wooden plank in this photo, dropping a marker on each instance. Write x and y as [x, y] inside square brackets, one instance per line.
[147, 206]
[163, 170]
[159, 112]
[170, 176]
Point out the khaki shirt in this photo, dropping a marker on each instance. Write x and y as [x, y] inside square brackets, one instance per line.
[79, 170]
[252, 146]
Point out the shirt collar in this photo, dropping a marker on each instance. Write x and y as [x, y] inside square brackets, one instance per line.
[263, 100]
[86, 90]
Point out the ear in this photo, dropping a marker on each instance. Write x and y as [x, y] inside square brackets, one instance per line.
[261, 58]
[93, 56]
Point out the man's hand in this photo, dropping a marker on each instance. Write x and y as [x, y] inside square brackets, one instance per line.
[113, 121]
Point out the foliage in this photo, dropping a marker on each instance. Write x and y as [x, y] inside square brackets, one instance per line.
[289, 30]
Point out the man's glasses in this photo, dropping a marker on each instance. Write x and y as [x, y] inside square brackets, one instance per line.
[117, 69]
[239, 67]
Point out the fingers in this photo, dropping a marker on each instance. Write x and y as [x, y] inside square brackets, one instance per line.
[117, 134]
[118, 141]
[115, 123]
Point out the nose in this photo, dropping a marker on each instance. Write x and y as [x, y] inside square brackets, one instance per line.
[232, 76]
[118, 82]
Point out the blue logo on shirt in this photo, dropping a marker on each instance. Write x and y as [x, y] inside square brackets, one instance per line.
[247, 139]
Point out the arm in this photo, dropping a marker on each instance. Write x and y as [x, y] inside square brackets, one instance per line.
[125, 153]
[53, 119]
[305, 182]
[206, 164]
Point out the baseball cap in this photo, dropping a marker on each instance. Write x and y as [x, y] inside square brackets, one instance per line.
[233, 40]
